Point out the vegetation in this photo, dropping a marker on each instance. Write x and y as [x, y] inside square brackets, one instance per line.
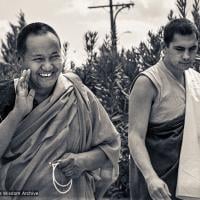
[109, 75]
[10, 67]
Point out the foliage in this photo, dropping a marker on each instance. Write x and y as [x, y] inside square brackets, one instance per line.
[8, 48]
[7, 72]
[182, 4]
[65, 49]
[196, 18]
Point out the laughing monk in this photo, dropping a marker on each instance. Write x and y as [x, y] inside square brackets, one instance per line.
[57, 141]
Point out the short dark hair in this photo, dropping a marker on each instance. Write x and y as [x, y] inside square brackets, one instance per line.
[180, 26]
[36, 28]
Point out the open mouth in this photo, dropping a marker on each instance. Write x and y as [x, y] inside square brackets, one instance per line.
[46, 75]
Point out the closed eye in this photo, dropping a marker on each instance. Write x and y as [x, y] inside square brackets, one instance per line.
[180, 49]
[38, 59]
[55, 57]
[193, 48]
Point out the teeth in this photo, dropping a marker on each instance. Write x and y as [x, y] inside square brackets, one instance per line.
[45, 75]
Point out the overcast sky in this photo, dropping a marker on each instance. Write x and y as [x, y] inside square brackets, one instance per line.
[72, 18]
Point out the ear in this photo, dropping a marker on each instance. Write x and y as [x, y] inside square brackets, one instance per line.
[164, 49]
[20, 60]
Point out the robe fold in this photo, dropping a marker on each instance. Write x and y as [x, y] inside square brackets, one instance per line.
[188, 184]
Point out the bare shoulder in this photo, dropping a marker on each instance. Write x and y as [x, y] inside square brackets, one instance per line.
[140, 103]
[143, 88]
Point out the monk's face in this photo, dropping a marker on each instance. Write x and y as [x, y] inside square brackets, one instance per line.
[181, 52]
[43, 57]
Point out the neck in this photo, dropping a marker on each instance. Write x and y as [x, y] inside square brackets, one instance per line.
[41, 94]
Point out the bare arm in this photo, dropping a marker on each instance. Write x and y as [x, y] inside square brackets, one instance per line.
[23, 105]
[140, 103]
[139, 110]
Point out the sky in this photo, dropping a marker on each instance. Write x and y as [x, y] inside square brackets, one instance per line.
[72, 19]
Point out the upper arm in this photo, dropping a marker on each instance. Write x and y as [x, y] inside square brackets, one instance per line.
[140, 102]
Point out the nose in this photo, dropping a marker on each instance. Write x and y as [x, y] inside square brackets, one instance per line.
[186, 55]
[47, 66]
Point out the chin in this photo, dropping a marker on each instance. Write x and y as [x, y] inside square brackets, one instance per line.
[187, 67]
[46, 85]
[184, 67]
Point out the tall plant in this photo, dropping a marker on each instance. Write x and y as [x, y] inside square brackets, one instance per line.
[9, 49]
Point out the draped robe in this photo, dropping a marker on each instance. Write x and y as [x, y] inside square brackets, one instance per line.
[71, 120]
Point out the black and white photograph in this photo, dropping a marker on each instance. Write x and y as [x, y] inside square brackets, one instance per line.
[99, 100]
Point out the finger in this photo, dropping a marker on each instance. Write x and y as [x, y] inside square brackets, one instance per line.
[26, 78]
[156, 195]
[65, 162]
[31, 94]
[67, 169]
[72, 173]
[69, 173]
[22, 79]
[28, 72]
[164, 194]
[23, 73]
[167, 190]
[19, 86]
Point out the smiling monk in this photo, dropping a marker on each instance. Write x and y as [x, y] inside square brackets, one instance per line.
[57, 141]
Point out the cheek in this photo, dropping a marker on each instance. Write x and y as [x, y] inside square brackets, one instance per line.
[33, 67]
[33, 77]
[175, 58]
[176, 55]
[193, 54]
[59, 67]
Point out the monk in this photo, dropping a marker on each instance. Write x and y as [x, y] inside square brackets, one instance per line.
[157, 113]
[57, 141]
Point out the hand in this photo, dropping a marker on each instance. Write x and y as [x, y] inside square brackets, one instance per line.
[158, 189]
[24, 98]
[71, 166]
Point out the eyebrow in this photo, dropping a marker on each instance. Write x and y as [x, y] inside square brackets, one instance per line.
[36, 55]
[40, 55]
[194, 46]
[55, 52]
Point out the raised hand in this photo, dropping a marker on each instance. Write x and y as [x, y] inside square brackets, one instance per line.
[24, 98]
[158, 189]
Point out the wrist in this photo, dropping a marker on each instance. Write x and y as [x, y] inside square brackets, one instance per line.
[82, 162]
[17, 114]
[150, 177]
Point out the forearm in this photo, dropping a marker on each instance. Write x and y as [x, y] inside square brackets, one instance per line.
[141, 157]
[7, 129]
[93, 159]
